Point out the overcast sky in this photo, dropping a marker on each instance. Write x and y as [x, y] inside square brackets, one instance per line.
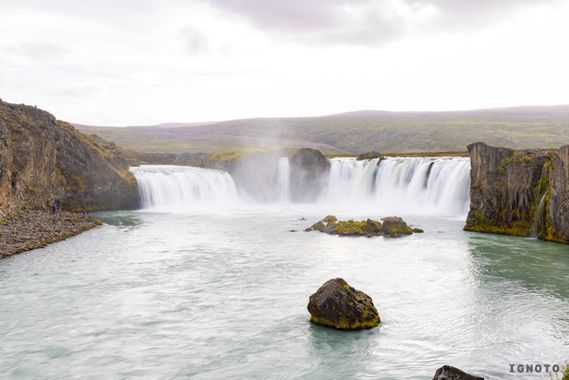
[129, 62]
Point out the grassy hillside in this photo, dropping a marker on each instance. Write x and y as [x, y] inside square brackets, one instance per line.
[520, 127]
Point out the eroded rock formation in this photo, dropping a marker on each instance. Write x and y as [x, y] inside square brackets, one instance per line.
[522, 193]
[309, 171]
[43, 160]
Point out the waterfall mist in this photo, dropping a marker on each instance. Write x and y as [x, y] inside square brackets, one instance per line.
[412, 186]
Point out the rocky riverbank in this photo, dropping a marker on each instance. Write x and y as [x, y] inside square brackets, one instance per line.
[31, 229]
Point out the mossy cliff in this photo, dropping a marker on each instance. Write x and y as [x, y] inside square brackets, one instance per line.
[43, 160]
[521, 193]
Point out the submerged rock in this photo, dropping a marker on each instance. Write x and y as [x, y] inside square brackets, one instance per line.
[394, 226]
[451, 373]
[336, 304]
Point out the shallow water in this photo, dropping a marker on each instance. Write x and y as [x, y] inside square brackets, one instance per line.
[216, 295]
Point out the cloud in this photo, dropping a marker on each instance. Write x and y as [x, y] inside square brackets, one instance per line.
[195, 40]
[368, 22]
[38, 50]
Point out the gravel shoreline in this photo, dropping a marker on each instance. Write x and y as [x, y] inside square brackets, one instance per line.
[32, 229]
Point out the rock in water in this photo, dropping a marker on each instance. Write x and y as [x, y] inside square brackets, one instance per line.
[451, 373]
[336, 304]
[394, 226]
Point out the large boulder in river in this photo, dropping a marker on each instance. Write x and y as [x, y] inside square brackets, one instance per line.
[309, 170]
[451, 373]
[336, 304]
[394, 226]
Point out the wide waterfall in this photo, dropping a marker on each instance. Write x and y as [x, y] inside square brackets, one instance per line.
[402, 185]
[387, 186]
[179, 188]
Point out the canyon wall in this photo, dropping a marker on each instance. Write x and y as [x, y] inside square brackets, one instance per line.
[43, 160]
[521, 193]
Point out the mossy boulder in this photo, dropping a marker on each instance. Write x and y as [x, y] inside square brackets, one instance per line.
[338, 305]
[394, 226]
[418, 230]
[351, 228]
[451, 373]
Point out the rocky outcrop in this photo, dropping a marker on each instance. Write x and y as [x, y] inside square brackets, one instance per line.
[336, 304]
[451, 373]
[556, 226]
[309, 170]
[392, 226]
[43, 160]
[520, 193]
[369, 155]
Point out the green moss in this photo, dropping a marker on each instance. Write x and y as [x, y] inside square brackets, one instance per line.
[477, 222]
[347, 287]
[351, 227]
[330, 219]
[566, 373]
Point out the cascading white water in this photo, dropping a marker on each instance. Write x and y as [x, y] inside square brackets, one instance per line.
[402, 185]
[283, 178]
[393, 185]
[179, 188]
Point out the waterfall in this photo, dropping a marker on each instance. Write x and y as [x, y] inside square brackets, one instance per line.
[402, 185]
[283, 178]
[393, 185]
[179, 188]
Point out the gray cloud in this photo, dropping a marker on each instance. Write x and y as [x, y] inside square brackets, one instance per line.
[195, 41]
[368, 22]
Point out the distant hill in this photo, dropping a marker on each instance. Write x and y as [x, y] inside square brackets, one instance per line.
[384, 131]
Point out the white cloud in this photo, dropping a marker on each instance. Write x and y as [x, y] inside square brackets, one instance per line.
[137, 62]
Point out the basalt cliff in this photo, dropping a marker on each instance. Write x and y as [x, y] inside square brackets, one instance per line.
[522, 193]
[43, 160]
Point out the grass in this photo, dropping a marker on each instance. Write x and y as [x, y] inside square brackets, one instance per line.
[346, 134]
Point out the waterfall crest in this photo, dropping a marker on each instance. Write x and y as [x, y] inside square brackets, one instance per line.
[393, 185]
[179, 188]
[407, 185]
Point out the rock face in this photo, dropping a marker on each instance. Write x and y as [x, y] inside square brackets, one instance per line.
[336, 304]
[520, 193]
[451, 373]
[43, 160]
[309, 170]
[392, 226]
